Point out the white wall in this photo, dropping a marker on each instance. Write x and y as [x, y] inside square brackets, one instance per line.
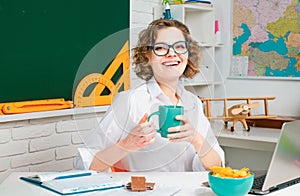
[287, 92]
[43, 143]
[141, 15]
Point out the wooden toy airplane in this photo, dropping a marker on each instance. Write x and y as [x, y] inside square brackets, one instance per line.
[239, 112]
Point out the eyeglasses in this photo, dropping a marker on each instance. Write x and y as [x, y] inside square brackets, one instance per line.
[161, 49]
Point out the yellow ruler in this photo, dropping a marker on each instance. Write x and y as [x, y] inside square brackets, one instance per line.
[1, 106]
[100, 81]
[34, 106]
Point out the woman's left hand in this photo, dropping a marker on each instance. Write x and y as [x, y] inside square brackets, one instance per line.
[185, 132]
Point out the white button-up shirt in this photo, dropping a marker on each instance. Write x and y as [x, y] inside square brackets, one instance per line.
[124, 114]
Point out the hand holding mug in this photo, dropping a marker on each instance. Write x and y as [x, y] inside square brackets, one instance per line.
[185, 132]
[140, 136]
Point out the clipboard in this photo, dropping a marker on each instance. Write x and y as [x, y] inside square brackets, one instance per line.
[74, 182]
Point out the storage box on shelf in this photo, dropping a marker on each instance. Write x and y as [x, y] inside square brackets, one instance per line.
[201, 21]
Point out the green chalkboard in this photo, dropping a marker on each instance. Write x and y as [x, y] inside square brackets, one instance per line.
[44, 42]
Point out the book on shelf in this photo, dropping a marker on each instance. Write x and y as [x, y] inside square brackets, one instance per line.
[74, 181]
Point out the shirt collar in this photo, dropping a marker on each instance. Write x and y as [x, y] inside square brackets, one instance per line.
[153, 88]
[156, 91]
[184, 97]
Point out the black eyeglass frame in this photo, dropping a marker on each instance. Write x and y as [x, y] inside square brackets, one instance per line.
[187, 44]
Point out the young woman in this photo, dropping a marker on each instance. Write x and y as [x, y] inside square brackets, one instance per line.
[125, 139]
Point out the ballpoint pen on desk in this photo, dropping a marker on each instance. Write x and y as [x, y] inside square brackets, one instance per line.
[73, 176]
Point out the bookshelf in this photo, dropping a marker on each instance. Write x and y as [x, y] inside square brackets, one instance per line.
[200, 18]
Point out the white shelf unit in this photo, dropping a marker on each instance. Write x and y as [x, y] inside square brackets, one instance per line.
[201, 22]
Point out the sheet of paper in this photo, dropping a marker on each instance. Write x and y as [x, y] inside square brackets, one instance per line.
[86, 183]
[159, 190]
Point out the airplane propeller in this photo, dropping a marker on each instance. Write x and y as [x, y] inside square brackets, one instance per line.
[244, 108]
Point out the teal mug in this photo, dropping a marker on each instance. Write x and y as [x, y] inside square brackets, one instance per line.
[166, 118]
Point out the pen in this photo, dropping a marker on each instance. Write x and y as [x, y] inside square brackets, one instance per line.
[73, 176]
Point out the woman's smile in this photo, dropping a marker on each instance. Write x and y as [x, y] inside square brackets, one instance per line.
[171, 63]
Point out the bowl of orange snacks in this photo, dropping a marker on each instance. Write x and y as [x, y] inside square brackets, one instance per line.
[225, 181]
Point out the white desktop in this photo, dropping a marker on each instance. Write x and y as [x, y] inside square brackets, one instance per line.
[190, 183]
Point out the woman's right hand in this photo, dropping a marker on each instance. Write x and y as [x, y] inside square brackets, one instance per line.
[140, 136]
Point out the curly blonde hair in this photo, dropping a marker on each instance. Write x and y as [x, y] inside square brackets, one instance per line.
[146, 39]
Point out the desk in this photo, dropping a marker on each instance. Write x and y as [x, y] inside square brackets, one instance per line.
[190, 183]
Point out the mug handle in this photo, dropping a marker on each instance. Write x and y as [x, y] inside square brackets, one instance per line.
[154, 113]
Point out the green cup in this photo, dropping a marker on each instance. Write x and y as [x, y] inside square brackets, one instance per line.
[166, 117]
